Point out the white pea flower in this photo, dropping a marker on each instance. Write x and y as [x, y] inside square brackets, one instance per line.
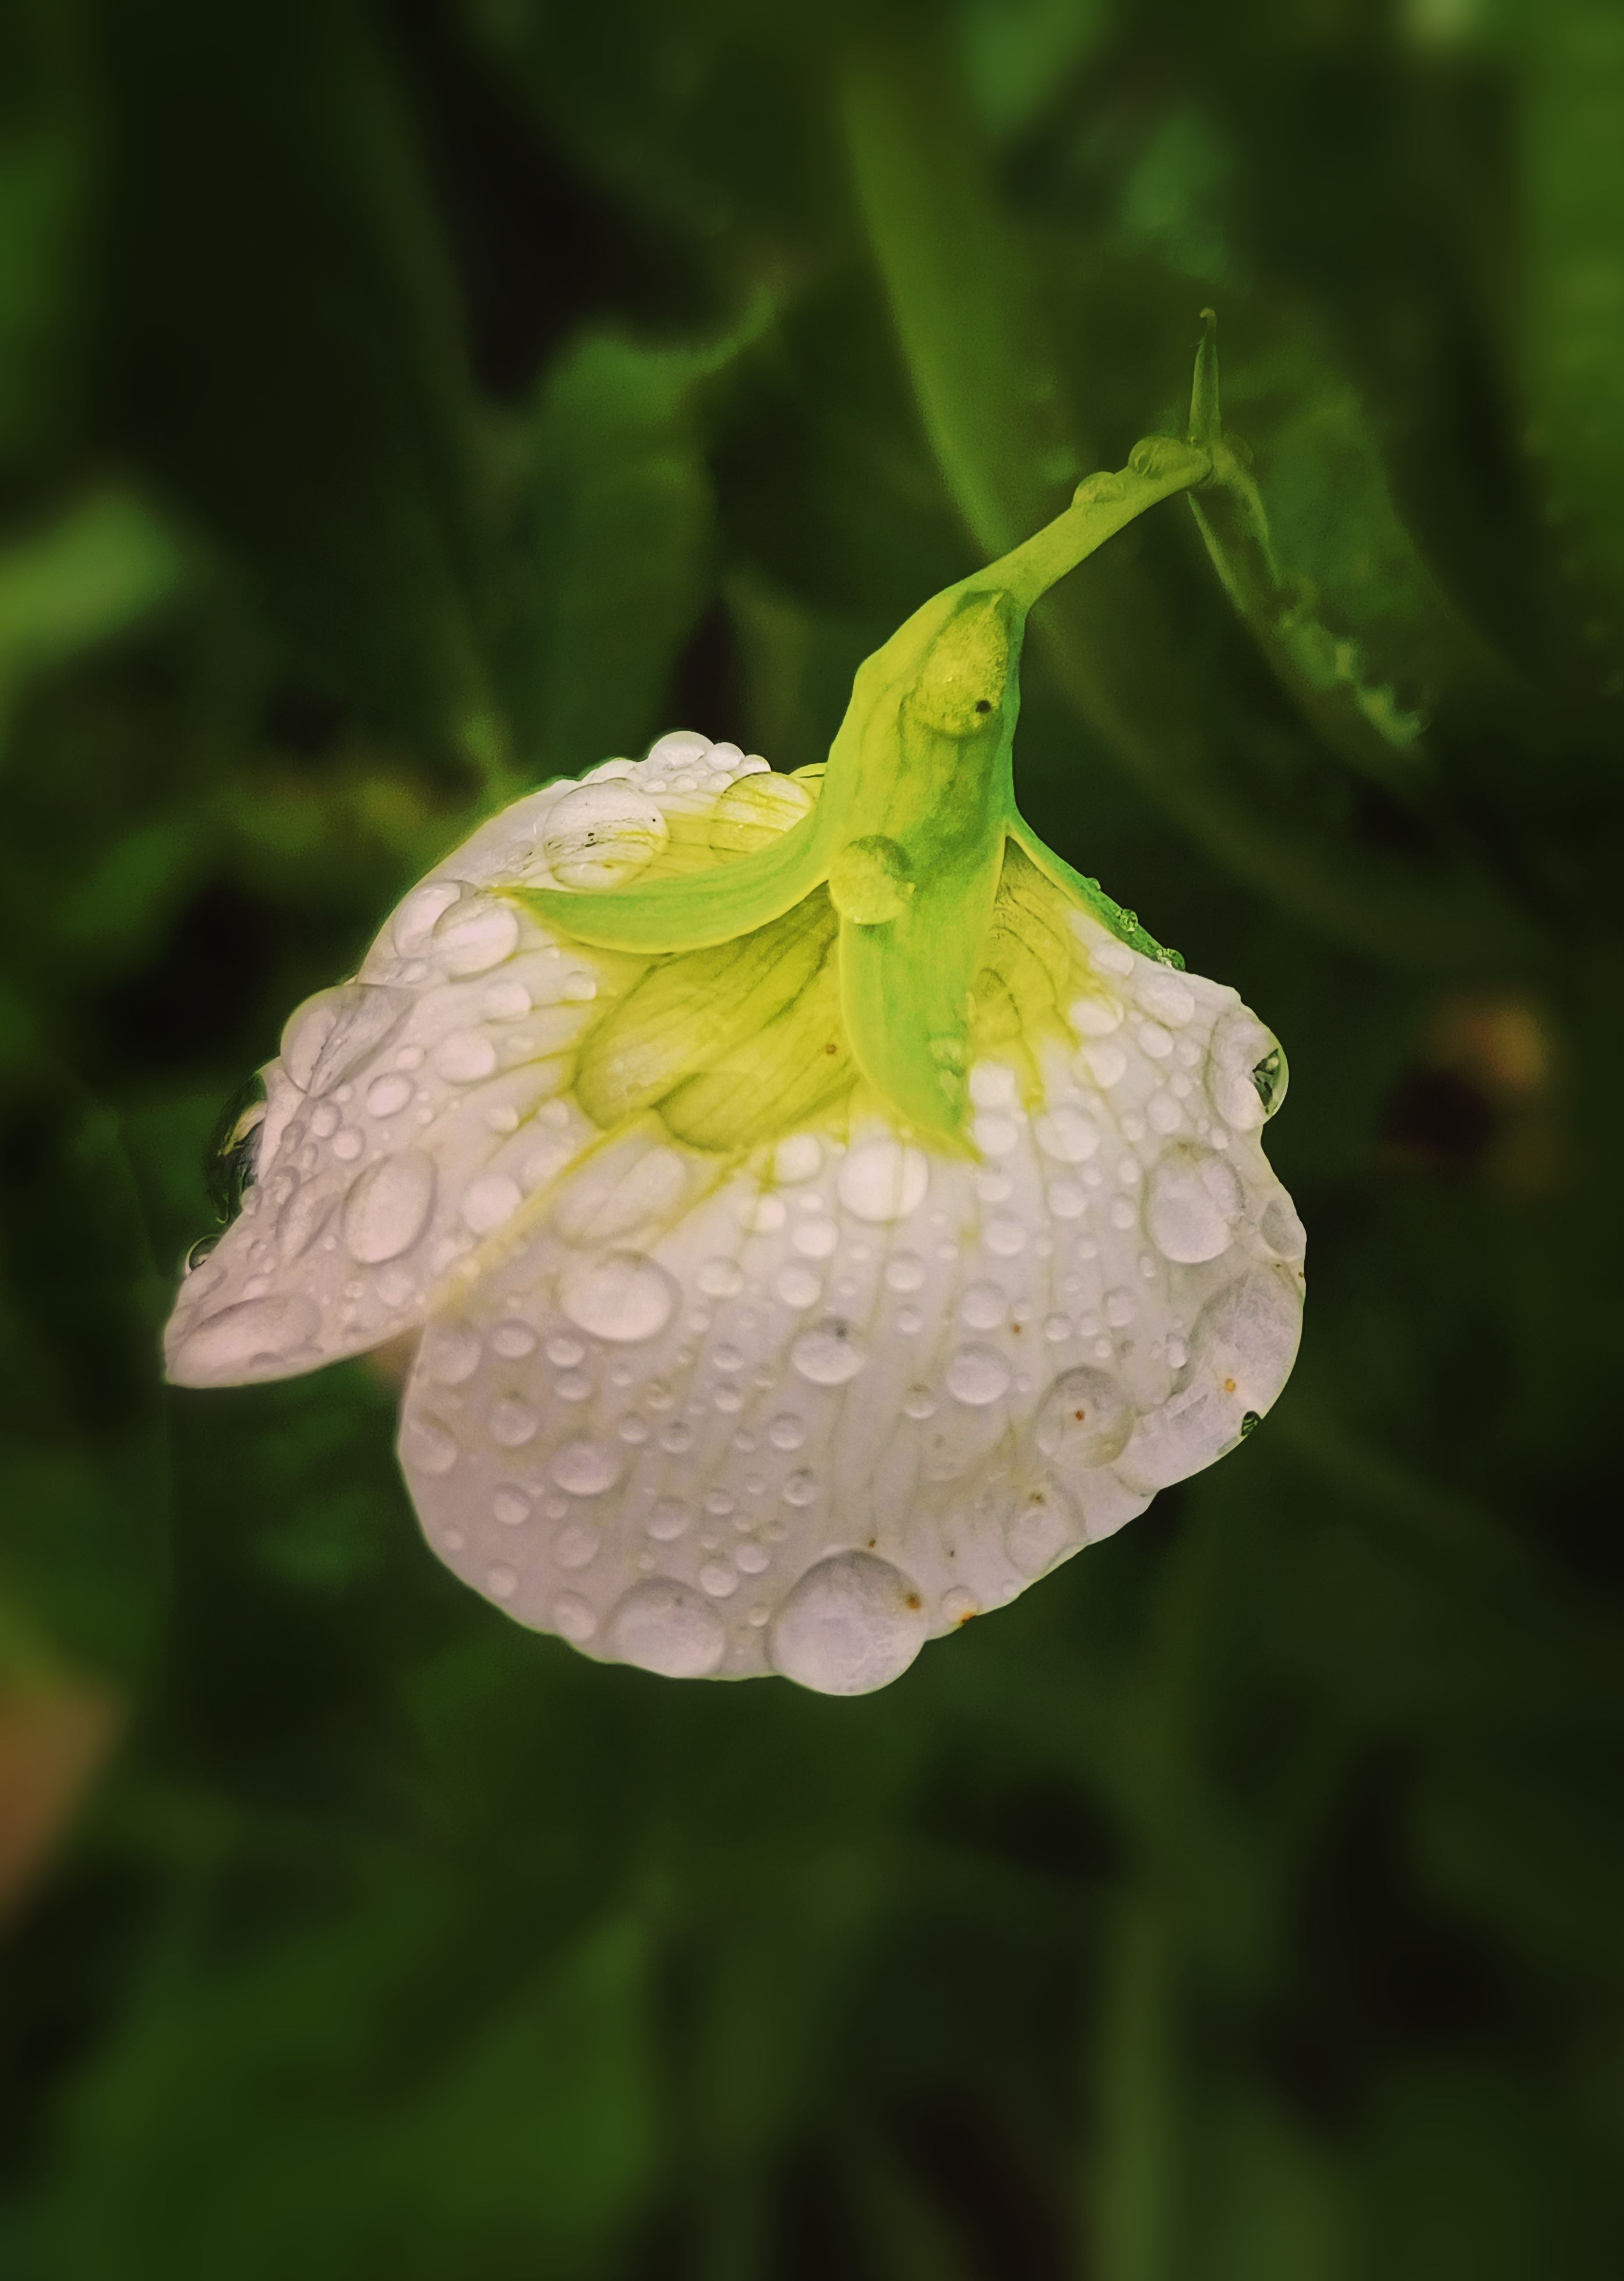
[824, 1213]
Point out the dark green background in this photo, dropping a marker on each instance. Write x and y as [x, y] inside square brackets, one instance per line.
[400, 405]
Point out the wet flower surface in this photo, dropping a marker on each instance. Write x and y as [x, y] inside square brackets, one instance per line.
[788, 1295]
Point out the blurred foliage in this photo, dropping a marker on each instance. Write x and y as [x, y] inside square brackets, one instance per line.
[401, 403]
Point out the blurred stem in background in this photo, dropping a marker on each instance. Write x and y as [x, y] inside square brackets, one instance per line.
[402, 404]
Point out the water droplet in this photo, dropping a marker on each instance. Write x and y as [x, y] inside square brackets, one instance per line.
[799, 1286]
[905, 1272]
[1193, 1202]
[720, 1278]
[816, 1237]
[1005, 1238]
[1084, 1421]
[1067, 1135]
[491, 1201]
[761, 1215]
[719, 1578]
[416, 917]
[995, 1135]
[513, 1340]
[575, 1546]
[1241, 1351]
[245, 1339]
[574, 1618]
[831, 1354]
[1153, 1040]
[386, 1096]
[918, 1403]
[623, 1296]
[801, 1489]
[1166, 995]
[1246, 1071]
[563, 1351]
[328, 1038]
[586, 1468]
[1120, 1308]
[230, 1162]
[429, 1447]
[882, 1180]
[388, 1209]
[852, 1624]
[958, 1605]
[302, 1220]
[983, 1306]
[977, 1375]
[669, 1520]
[1106, 1065]
[510, 1506]
[465, 1057]
[501, 1581]
[664, 1626]
[602, 835]
[1102, 490]
[786, 1431]
[1040, 1526]
[475, 936]
[197, 1253]
[513, 1423]
[1095, 1016]
[1281, 1230]
[800, 1156]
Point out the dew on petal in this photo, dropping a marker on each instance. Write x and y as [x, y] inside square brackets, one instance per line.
[574, 1618]
[623, 1296]
[983, 1306]
[513, 1423]
[1067, 1135]
[977, 1375]
[1041, 1525]
[387, 1095]
[831, 1354]
[602, 834]
[665, 1627]
[852, 1624]
[430, 1446]
[882, 1180]
[464, 1057]
[452, 1353]
[669, 1520]
[388, 1208]
[1084, 1421]
[473, 936]
[1193, 1202]
[585, 1468]
[786, 1431]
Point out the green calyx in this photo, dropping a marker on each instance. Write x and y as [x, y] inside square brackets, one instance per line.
[859, 935]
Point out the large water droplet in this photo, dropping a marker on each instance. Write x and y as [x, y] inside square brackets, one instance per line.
[1193, 1202]
[328, 1038]
[665, 1627]
[757, 809]
[427, 1446]
[623, 1296]
[586, 1468]
[230, 1162]
[302, 1220]
[388, 1208]
[853, 1623]
[512, 1422]
[244, 1340]
[831, 1354]
[465, 1057]
[602, 835]
[451, 1353]
[386, 1096]
[1041, 1525]
[786, 1431]
[977, 1375]
[1066, 1134]
[475, 936]
[1241, 1352]
[1084, 1420]
[1281, 1230]
[1245, 1070]
[882, 1180]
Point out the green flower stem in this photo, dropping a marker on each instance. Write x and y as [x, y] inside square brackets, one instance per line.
[991, 404]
